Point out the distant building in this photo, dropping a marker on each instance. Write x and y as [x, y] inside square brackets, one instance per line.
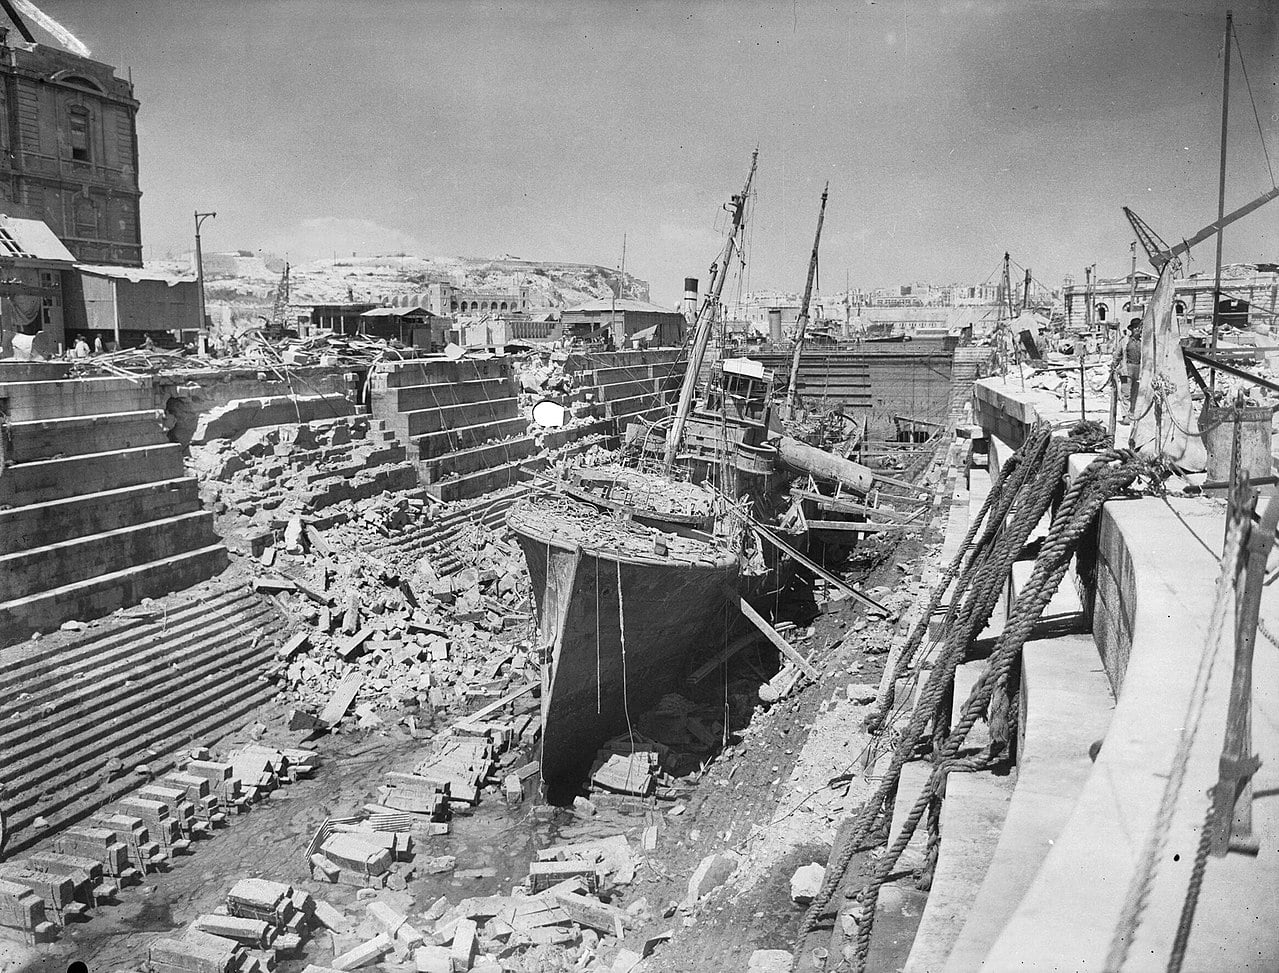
[1249, 297]
[338, 318]
[125, 304]
[70, 157]
[620, 319]
[449, 301]
[33, 266]
[414, 326]
[44, 292]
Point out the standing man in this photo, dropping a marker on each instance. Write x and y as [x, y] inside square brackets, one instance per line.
[1127, 364]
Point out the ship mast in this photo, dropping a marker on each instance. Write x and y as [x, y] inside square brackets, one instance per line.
[801, 324]
[706, 318]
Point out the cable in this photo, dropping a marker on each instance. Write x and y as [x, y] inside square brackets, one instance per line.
[1255, 115]
[626, 703]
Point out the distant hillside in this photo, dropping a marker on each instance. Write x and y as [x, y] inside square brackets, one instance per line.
[247, 284]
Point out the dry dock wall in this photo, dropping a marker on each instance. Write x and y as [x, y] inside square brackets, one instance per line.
[1132, 834]
[96, 511]
[876, 381]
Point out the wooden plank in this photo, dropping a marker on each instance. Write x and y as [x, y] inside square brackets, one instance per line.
[341, 699]
[497, 704]
[821, 572]
[707, 667]
[770, 633]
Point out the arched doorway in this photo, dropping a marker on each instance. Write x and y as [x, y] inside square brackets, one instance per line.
[1233, 311]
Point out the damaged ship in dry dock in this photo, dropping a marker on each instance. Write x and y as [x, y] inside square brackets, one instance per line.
[640, 572]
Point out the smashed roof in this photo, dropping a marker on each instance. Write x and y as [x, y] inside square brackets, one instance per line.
[621, 304]
[397, 312]
[134, 274]
[30, 239]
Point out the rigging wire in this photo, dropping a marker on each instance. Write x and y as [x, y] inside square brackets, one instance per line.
[626, 703]
[1255, 114]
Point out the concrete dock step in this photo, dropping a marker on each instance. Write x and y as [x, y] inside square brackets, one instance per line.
[22, 528]
[35, 439]
[412, 398]
[413, 424]
[476, 459]
[972, 815]
[95, 597]
[628, 373]
[71, 476]
[84, 709]
[470, 485]
[27, 401]
[214, 703]
[69, 561]
[914, 776]
[624, 408]
[1068, 705]
[430, 445]
[436, 371]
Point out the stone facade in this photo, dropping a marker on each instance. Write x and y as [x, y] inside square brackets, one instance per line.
[68, 128]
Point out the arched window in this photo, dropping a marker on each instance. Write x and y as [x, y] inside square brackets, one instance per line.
[453, 306]
[1102, 311]
[78, 81]
[503, 306]
[1179, 307]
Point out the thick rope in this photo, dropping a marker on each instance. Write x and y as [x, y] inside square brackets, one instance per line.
[1079, 507]
[981, 583]
[1011, 477]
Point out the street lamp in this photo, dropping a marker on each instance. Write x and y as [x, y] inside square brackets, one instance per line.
[199, 276]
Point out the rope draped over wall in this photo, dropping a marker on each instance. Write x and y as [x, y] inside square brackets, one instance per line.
[1025, 489]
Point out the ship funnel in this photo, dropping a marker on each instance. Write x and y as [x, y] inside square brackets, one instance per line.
[690, 299]
[775, 325]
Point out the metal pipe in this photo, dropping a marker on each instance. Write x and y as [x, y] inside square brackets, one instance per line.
[202, 336]
[1221, 190]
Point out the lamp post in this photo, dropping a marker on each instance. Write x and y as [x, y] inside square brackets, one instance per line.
[203, 336]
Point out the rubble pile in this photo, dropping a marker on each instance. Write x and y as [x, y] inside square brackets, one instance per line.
[562, 917]
[261, 922]
[396, 636]
[145, 831]
[326, 470]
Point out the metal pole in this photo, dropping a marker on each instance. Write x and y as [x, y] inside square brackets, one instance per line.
[202, 336]
[1221, 191]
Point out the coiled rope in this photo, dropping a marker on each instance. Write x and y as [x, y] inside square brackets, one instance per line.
[1022, 495]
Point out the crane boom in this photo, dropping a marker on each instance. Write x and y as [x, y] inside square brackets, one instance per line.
[1160, 253]
[801, 325]
[1151, 241]
[1169, 252]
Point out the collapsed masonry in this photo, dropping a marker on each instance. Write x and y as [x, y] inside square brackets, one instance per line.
[98, 514]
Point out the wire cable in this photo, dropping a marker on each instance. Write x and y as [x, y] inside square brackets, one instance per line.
[1255, 115]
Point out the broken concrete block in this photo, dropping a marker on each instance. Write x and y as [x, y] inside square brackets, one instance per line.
[768, 961]
[437, 865]
[364, 954]
[710, 874]
[329, 917]
[462, 951]
[433, 959]
[806, 883]
[394, 924]
[592, 913]
[625, 961]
